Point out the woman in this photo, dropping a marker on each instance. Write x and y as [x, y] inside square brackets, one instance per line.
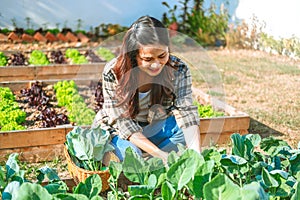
[147, 95]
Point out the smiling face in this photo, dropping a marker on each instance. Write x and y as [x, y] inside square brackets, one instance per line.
[151, 59]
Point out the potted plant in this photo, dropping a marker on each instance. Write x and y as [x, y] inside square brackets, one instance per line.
[88, 152]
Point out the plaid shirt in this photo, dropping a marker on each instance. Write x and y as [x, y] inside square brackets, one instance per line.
[110, 117]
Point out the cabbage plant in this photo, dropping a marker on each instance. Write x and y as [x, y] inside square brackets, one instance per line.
[87, 147]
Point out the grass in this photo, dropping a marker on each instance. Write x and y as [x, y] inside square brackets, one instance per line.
[264, 86]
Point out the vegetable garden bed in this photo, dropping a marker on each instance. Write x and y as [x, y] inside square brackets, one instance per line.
[46, 143]
[218, 129]
[254, 168]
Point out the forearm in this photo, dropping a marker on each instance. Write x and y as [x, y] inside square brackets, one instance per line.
[192, 137]
[146, 145]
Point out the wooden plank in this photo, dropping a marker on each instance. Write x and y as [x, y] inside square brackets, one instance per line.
[74, 77]
[35, 153]
[17, 73]
[63, 72]
[208, 139]
[48, 72]
[29, 138]
[56, 69]
[224, 124]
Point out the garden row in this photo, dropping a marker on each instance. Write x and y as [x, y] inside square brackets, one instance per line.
[40, 107]
[70, 56]
[63, 102]
[243, 173]
[51, 107]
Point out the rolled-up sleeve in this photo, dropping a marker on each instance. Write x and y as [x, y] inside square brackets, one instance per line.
[125, 126]
[186, 114]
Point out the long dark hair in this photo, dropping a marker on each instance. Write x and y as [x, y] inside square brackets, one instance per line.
[145, 31]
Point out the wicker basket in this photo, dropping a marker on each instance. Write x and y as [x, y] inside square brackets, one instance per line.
[80, 174]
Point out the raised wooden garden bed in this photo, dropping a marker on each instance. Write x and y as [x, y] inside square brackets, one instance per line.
[51, 72]
[218, 129]
[47, 143]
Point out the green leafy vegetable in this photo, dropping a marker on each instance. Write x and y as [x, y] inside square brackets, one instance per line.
[6, 93]
[3, 59]
[90, 187]
[37, 57]
[13, 185]
[207, 110]
[246, 174]
[67, 95]
[106, 54]
[29, 190]
[11, 116]
[88, 146]
[12, 126]
[76, 57]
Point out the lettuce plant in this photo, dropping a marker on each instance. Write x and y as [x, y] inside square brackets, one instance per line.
[75, 56]
[36, 96]
[37, 57]
[11, 116]
[67, 95]
[106, 54]
[3, 59]
[17, 59]
[207, 111]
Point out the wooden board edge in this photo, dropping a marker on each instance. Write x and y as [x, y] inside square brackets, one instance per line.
[210, 139]
[224, 124]
[47, 72]
[30, 138]
[34, 154]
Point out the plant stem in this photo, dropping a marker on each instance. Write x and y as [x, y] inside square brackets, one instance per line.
[90, 165]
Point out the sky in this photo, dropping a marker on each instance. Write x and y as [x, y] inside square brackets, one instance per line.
[280, 16]
[67, 12]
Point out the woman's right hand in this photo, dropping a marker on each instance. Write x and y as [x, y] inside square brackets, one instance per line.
[142, 142]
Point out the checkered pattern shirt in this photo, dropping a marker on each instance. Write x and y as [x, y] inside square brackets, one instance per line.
[110, 117]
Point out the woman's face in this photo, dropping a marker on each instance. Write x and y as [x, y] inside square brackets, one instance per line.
[152, 58]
